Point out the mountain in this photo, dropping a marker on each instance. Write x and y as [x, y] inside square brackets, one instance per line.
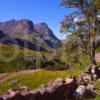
[5, 39]
[17, 27]
[39, 34]
[45, 31]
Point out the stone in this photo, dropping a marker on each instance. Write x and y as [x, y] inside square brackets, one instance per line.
[11, 94]
[87, 76]
[88, 70]
[24, 88]
[9, 91]
[43, 91]
[86, 81]
[58, 82]
[95, 77]
[80, 91]
[68, 80]
[80, 80]
[93, 71]
[50, 89]
[4, 98]
[50, 83]
[90, 87]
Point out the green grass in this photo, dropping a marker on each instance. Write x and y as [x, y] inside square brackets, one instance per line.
[97, 85]
[97, 98]
[98, 49]
[13, 60]
[85, 61]
[36, 79]
[20, 62]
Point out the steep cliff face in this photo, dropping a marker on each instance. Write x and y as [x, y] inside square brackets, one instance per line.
[25, 29]
[45, 31]
[47, 34]
[14, 27]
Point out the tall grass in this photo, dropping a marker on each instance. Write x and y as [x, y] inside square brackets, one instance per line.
[36, 79]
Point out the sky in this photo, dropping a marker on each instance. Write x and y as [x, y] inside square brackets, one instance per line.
[47, 11]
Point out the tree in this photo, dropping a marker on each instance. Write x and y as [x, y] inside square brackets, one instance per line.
[84, 19]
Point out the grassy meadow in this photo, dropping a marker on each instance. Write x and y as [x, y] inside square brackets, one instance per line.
[36, 79]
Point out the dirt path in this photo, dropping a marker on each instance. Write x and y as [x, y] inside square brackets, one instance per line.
[98, 57]
[6, 76]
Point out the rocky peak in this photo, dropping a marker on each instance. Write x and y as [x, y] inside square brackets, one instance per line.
[27, 24]
[25, 29]
[42, 28]
[45, 31]
[17, 27]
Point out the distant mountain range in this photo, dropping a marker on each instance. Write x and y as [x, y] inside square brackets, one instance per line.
[24, 31]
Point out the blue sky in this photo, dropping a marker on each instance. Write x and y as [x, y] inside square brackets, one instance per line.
[48, 11]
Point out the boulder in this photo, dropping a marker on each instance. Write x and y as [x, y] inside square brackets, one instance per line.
[58, 82]
[95, 77]
[87, 76]
[81, 90]
[88, 70]
[11, 93]
[25, 88]
[80, 81]
[69, 80]
[93, 71]
[90, 87]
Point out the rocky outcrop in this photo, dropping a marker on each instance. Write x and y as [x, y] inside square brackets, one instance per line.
[14, 27]
[47, 34]
[44, 31]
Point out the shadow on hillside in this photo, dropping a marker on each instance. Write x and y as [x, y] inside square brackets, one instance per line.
[20, 42]
[50, 44]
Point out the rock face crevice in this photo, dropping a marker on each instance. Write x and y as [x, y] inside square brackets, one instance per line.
[69, 88]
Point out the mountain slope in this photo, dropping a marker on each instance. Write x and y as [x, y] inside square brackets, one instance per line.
[5, 39]
[39, 34]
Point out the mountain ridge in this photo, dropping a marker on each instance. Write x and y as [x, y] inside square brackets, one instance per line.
[39, 33]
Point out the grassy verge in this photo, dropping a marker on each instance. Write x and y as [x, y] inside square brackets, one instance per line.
[35, 80]
[97, 89]
[97, 85]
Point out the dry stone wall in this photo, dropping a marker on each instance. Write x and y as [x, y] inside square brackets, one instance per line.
[69, 88]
